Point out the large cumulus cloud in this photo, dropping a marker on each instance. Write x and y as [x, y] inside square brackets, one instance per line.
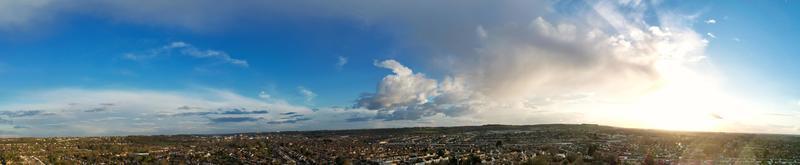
[406, 95]
[550, 58]
[402, 88]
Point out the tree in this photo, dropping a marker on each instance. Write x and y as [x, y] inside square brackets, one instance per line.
[648, 160]
[341, 161]
[573, 157]
[474, 159]
[537, 160]
[440, 152]
[453, 159]
[591, 150]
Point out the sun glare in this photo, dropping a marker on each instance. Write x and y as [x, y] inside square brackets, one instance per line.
[684, 100]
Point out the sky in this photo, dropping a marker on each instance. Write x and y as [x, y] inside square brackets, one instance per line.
[98, 68]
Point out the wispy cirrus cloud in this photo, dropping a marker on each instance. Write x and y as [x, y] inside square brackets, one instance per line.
[340, 62]
[64, 112]
[21, 113]
[307, 94]
[264, 95]
[233, 119]
[290, 118]
[185, 49]
[709, 34]
[222, 111]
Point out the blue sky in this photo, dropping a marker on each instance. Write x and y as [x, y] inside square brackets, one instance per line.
[151, 67]
[89, 53]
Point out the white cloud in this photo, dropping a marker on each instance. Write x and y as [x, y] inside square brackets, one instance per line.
[737, 39]
[401, 88]
[341, 61]
[558, 59]
[183, 48]
[563, 32]
[482, 34]
[307, 94]
[406, 95]
[709, 34]
[22, 14]
[710, 21]
[400, 92]
[264, 95]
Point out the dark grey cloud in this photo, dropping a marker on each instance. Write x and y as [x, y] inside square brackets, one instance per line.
[22, 113]
[6, 121]
[289, 118]
[359, 119]
[98, 109]
[293, 116]
[195, 113]
[20, 127]
[103, 107]
[223, 111]
[233, 119]
[186, 107]
[289, 121]
[241, 111]
[7, 117]
[225, 115]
